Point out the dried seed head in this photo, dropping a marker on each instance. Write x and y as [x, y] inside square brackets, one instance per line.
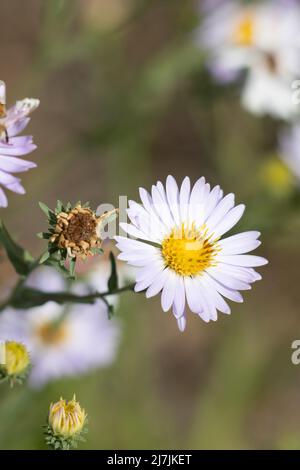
[76, 231]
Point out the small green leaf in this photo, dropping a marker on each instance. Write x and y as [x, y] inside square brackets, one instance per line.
[21, 259]
[110, 311]
[97, 251]
[44, 257]
[113, 279]
[48, 212]
[59, 207]
[44, 235]
[72, 267]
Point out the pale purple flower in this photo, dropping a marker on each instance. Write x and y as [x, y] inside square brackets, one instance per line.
[12, 122]
[262, 40]
[178, 251]
[85, 340]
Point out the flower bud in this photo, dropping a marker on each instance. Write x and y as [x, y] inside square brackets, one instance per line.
[66, 424]
[16, 362]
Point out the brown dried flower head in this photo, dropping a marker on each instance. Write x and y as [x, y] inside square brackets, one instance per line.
[76, 231]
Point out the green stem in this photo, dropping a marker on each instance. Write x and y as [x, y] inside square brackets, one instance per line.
[23, 297]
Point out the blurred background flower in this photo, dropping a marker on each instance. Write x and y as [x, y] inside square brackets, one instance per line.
[260, 39]
[289, 141]
[127, 99]
[62, 340]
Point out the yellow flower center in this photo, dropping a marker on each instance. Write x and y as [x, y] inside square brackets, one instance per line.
[16, 358]
[67, 418]
[244, 32]
[52, 334]
[188, 250]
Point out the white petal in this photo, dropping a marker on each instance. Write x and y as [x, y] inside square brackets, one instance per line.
[181, 322]
[146, 199]
[231, 294]
[129, 244]
[173, 198]
[162, 209]
[243, 260]
[168, 292]
[152, 269]
[213, 199]
[227, 280]
[193, 296]
[247, 275]
[135, 232]
[230, 219]
[220, 211]
[196, 205]
[136, 260]
[179, 298]
[148, 222]
[218, 299]
[208, 299]
[240, 243]
[158, 283]
[147, 275]
[184, 198]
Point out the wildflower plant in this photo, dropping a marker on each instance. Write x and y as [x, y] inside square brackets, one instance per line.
[173, 241]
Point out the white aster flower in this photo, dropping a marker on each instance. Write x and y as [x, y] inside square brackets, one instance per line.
[179, 252]
[85, 339]
[259, 38]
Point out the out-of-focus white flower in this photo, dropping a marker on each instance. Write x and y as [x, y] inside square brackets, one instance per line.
[179, 252]
[289, 147]
[263, 40]
[12, 122]
[84, 339]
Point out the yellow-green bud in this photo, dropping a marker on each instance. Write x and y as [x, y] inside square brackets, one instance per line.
[16, 358]
[66, 418]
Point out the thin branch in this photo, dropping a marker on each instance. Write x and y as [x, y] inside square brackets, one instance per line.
[25, 298]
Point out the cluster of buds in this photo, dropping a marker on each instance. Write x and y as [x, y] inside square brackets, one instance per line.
[66, 425]
[74, 232]
[14, 362]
